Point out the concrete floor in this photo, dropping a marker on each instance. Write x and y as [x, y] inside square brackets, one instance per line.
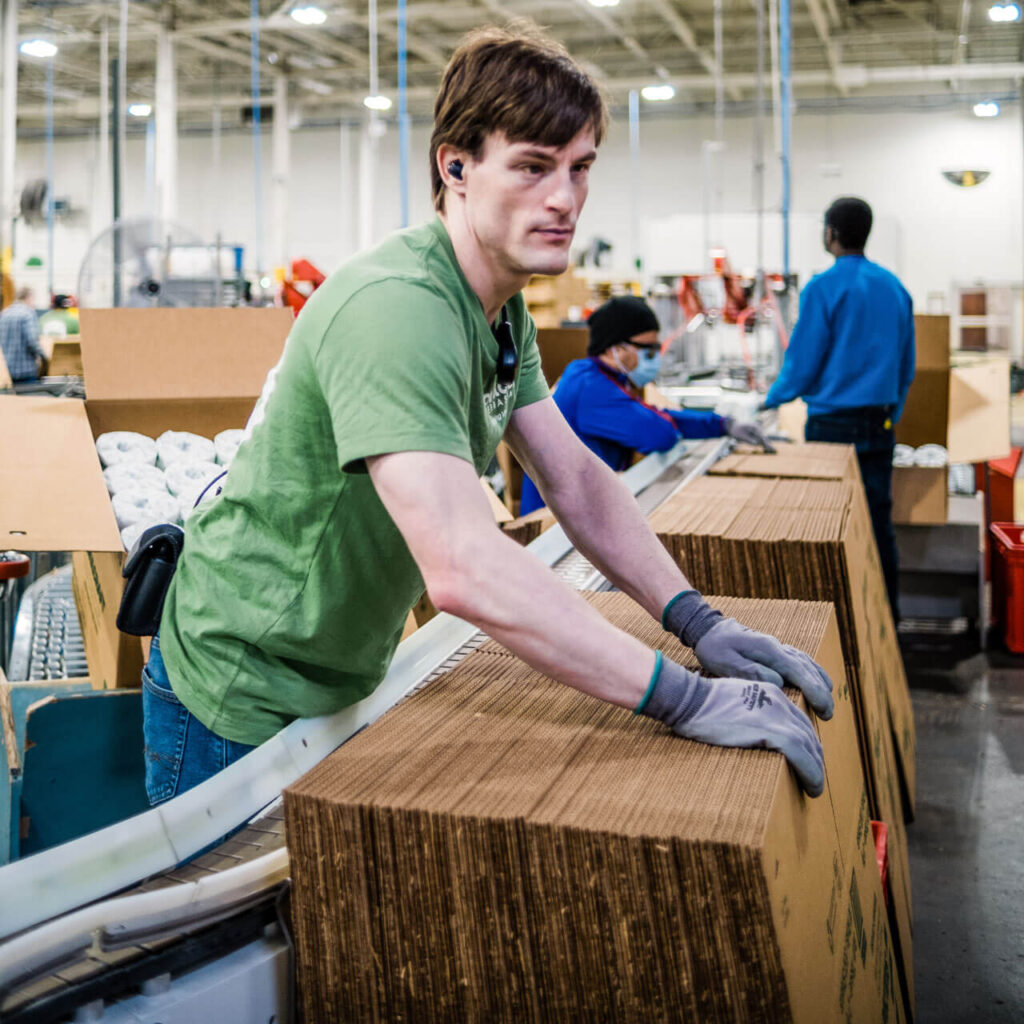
[967, 842]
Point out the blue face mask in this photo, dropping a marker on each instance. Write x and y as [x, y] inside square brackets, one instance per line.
[647, 369]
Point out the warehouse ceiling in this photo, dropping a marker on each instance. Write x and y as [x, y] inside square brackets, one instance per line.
[844, 51]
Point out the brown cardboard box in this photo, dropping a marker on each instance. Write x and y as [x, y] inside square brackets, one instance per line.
[147, 370]
[66, 358]
[502, 848]
[549, 298]
[559, 346]
[812, 540]
[526, 529]
[920, 494]
[962, 402]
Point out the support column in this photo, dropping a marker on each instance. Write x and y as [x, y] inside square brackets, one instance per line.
[369, 143]
[346, 194]
[280, 177]
[8, 115]
[165, 114]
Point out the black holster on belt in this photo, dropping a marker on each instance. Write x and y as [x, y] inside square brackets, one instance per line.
[148, 571]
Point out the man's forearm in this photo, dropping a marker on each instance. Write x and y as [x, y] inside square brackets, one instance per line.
[508, 593]
[604, 522]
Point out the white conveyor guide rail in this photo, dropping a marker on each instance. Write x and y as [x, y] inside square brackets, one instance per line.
[58, 880]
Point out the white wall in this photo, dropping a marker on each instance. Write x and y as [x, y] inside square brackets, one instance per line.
[929, 231]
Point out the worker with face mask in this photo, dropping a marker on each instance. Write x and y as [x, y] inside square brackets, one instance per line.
[602, 396]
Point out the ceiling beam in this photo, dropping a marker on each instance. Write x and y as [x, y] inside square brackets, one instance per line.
[685, 34]
[854, 77]
[821, 26]
[610, 25]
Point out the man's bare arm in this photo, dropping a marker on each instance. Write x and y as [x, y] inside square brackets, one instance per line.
[594, 507]
[472, 570]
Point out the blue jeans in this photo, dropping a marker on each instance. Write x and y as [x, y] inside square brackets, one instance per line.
[180, 751]
[865, 429]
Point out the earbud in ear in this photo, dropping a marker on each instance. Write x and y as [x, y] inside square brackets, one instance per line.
[455, 169]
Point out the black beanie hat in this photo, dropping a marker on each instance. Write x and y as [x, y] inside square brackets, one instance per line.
[617, 321]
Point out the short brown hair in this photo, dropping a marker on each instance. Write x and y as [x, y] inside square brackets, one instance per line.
[515, 81]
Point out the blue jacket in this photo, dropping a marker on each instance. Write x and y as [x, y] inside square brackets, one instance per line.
[853, 344]
[613, 424]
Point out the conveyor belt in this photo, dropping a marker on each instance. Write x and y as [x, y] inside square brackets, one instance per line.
[47, 635]
[84, 944]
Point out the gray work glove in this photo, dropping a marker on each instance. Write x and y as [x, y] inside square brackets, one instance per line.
[734, 713]
[725, 648]
[746, 433]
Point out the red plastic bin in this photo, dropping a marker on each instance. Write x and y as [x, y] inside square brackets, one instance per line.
[1008, 582]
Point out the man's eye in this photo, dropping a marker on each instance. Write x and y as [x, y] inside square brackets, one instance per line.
[581, 168]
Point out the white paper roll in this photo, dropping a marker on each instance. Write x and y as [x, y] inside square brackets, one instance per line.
[226, 445]
[130, 534]
[186, 477]
[934, 456]
[144, 506]
[181, 446]
[194, 480]
[124, 476]
[119, 446]
[903, 455]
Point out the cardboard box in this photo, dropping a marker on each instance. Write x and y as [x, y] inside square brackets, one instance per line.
[500, 847]
[559, 346]
[956, 400]
[549, 299]
[812, 540]
[526, 529]
[147, 370]
[920, 495]
[66, 358]
[962, 402]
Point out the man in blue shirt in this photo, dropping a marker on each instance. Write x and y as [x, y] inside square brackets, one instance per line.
[600, 396]
[851, 358]
[19, 338]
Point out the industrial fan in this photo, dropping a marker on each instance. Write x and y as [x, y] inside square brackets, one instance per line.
[144, 262]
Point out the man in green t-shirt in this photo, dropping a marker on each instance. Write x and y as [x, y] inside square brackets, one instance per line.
[356, 485]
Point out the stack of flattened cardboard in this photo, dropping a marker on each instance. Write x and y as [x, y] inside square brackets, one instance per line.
[811, 539]
[810, 461]
[503, 848]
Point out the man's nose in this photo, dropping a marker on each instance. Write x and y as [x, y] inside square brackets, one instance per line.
[560, 197]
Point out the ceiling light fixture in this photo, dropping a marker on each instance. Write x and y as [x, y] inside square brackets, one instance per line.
[989, 109]
[309, 15]
[1004, 12]
[658, 93]
[140, 109]
[38, 48]
[377, 102]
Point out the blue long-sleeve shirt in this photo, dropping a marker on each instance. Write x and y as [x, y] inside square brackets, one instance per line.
[613, 424]
[853, 344]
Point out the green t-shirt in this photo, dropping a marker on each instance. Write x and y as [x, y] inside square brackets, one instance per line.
[292, 591]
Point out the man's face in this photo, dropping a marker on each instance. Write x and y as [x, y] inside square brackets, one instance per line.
[523, 201]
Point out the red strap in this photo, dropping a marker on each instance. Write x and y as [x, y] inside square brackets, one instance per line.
[614, 379]
[13, 565]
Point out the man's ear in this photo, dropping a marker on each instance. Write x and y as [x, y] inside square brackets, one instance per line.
[451, 165]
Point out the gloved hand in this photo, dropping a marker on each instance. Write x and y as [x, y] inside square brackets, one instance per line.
[734, 713]
[746, 433]
[725, 648]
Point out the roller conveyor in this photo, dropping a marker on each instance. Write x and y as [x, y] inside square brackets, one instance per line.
[205, 908]
[47, 635]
